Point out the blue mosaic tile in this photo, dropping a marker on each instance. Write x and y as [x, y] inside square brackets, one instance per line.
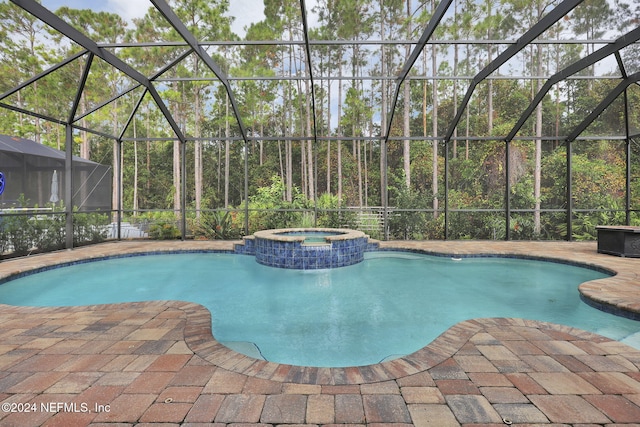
[294, 254]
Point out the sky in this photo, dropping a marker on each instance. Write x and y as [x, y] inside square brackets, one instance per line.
[244, 11]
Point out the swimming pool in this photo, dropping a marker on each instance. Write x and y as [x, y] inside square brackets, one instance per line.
[390, 305]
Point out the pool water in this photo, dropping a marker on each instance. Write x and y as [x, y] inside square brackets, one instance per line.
[310, 233]
[390, 305]
[311, 236]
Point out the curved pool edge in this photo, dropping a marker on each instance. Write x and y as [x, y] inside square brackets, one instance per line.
[198, 336]
[618, 294]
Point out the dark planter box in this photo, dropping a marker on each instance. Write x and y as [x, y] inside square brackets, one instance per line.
[619, 240]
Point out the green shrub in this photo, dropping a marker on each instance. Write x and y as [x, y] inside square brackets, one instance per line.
[330, 216]
[216, 225]
[89, 228]
[272, 210]
[164, 231]
[406, 223]
[52, 232]
[18, 233]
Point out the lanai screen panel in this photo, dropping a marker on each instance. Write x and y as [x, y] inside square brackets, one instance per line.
[35, 177]
[356, 103]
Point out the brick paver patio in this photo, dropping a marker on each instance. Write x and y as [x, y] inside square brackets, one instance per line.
[156, 363]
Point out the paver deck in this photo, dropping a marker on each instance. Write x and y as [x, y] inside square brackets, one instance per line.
[156, 363]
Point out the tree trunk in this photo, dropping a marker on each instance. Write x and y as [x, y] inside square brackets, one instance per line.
[176, 177]
[261, 141]
[359, 159]
[303, 143]
[434, 120]
[467, 118]
[227, 153]
[455, 80]
[148, 183]
[406, 148]
[197, 146]
[538, 162]
[339, 157]
[135, 170]
[310, 177]
[383, 112]
[288, 149]
[219, 168]
[490, 82]
[329, 134]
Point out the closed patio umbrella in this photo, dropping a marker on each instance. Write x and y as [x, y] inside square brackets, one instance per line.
[54, 188]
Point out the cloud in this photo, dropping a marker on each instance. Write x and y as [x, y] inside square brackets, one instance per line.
[245, 12]
[128, 9]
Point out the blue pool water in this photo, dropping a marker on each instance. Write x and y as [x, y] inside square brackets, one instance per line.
[311, 236]
[390, 305]
[310, 233]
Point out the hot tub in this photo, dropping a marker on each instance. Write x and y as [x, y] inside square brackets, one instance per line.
[308, 248]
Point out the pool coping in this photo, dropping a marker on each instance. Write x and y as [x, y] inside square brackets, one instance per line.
[280, 236]
[619, 291]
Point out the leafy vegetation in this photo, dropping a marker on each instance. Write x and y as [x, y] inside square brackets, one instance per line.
[42, 231]
[281, 177]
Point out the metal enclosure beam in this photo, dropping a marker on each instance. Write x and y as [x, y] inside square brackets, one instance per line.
[131, 116]
[132, 88]
[305, 28]
[628, 171]
[541, 26]
[31, 113]
[117, 169]
[49, 18]
[81, 84]
[610, 49]
[303, 9]
[43, 74]
[569, 193]
[68, 186]
[184, 32]
[624, 84]
[413, 57]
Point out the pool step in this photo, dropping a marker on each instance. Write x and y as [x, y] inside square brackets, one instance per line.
[245, 347]
[392, 357]
[632, 340]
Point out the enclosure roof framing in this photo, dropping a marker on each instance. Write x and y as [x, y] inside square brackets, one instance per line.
[541, 26]
[184, 32]
[610, 49]
[43, 74]
[426, 35]
[81, 84]
[368, 42]
[305, 30]
[128, 90]
[624, 84]
[46, 16]
[152, 83]
[32, 113]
